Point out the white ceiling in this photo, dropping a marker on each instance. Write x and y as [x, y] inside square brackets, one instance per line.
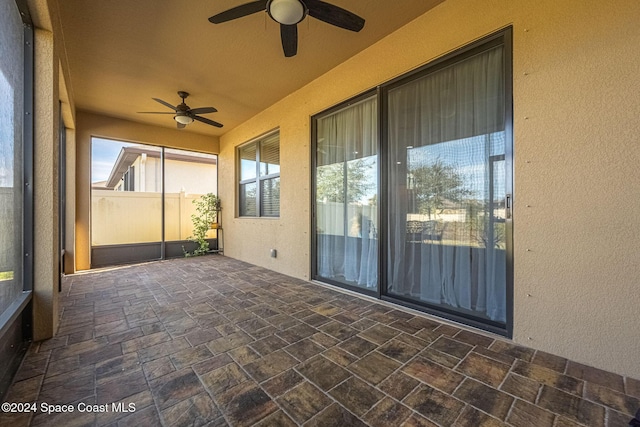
[122, 53]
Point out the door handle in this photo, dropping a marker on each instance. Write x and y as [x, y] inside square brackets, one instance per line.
[507, 204]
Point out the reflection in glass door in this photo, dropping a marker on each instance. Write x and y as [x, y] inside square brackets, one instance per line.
[447, 188]
[346, 195]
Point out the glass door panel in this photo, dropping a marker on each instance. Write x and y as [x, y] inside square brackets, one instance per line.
[447, 189]
[346, 195]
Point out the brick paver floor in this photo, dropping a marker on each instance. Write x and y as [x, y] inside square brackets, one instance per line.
[218, 342]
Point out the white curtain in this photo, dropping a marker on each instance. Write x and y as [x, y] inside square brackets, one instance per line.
[346, 195]
[447, 145]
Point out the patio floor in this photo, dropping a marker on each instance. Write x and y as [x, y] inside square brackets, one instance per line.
[215, 341]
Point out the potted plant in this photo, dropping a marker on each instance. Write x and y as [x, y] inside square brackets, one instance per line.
[205, 219]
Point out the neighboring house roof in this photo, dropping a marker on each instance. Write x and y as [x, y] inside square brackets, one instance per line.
[99, 185]
[128, 156]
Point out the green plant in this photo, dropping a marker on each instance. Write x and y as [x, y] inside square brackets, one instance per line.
[207, 207]
[331, 179]
[6, 275]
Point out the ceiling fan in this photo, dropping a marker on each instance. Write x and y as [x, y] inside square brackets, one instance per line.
[183, 114]
[288, 13]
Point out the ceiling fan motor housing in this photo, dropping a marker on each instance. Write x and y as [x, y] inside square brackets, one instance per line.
[287, 12]
[185, 115]
[182, 110]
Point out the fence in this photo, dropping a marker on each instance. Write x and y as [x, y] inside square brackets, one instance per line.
[124, 217]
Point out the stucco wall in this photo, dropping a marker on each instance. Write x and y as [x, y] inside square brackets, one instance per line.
[191, 177]
[89, 125]
[576, 109]
[45, 186]
[51, 98]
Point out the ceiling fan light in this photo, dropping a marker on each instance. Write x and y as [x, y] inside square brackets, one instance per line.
[286, 12]
[183, 119]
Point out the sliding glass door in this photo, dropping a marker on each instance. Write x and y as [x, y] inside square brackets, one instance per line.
[444, 190]
[447, 192]
[346, 195]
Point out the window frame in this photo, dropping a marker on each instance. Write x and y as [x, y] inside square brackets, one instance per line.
[258, 179]
[504, 37]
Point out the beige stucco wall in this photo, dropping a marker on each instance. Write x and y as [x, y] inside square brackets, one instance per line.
[45, 186]
[576, 109]
[190, 177]
[51, 98]
[89, 125]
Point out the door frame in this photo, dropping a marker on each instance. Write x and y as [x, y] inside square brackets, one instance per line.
[502, 37]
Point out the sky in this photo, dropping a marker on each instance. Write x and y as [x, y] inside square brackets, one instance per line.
[103, 156]
[104, 153]
[6, 133]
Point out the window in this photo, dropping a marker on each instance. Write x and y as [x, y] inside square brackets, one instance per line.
[259, 170]
[128, 180]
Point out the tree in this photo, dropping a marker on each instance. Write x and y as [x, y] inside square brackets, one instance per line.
[436, 184]
[207, 207]
[330, 183]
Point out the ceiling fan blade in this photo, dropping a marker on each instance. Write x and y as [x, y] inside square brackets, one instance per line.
[289, 35]
[207, 121]
[203, 110]
[166, 104]
[334, 15]
[180, 125]
[239, 11]
[156, 112]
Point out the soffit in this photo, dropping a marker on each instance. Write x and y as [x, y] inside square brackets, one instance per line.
[122, 53]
